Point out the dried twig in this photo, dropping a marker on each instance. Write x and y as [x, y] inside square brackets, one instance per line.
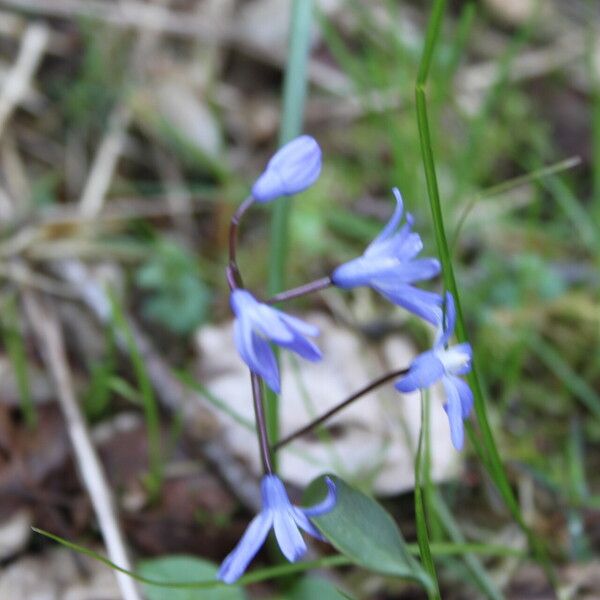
[110, 148]
[47, 328]
[17, 82]
[170, 392]
[132, 14]
[101, 173]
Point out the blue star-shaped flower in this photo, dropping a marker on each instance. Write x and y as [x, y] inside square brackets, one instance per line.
[389, 266]
[257, 324]
[445, 362]
[286, 521]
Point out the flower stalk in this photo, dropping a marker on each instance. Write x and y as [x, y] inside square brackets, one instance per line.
[234, 277]
[302, 290]
[338, 407]
[261, 425]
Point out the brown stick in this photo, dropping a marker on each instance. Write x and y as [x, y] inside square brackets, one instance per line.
[47, 329]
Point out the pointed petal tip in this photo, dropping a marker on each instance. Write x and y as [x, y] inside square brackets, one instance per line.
[327, 504]
[397, 195]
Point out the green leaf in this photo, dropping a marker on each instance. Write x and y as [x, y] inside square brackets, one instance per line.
[179, 568]
[364, 531]
[178, 298]
[309, 588]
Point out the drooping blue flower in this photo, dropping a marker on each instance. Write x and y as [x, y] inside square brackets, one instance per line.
[286, 521]
[257, 324]
[292, 169]
[389, 266]
[446, 363]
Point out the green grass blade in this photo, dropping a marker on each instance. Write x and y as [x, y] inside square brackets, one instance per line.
[594, 78]
[474, 566]
[510, 184]
[490, 456]
[431, 35]
[150, 405]
[280, 570]
[218, 403]
[457, 48]
[421, 519]
[254, 577]
[294, 95]
[576, 384]
[15, 347]
[587, 229]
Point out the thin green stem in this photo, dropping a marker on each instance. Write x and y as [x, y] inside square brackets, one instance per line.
[431, 35]
[420, 516]
[261, 427]
[15, 346]
[337, 560]
[150, 405]
[491, 456]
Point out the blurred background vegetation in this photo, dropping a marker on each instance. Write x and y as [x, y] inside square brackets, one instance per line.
[130, 131]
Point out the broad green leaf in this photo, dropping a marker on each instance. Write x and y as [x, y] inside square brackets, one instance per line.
[309, 588]
[364, 531]
[184, 568]
[178, 298]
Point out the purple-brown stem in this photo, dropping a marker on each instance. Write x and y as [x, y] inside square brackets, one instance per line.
[302, 290]
[234, 277]
[319, 420]
[261, 425]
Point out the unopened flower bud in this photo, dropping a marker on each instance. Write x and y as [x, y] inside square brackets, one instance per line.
[293, 168]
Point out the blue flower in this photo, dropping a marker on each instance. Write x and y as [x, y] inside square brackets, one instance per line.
[389, 266]
[285, 519]
[293, 168]
[445, 362]
[257, 324]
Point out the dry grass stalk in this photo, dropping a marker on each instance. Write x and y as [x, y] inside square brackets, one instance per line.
[47, 328]
[33, 45]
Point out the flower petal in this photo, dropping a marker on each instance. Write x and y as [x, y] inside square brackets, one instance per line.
[265, 363]
[465, 394]
[271, 323]
[298, 325]
[304, 348]
[288, 536]
[234, 565]
[420, 302]
[408, 272]
[256, 353]
[392, 224]
[304, 524]
[424, 371]
[449, 321]
[454, 410]
[359, 271]
[242, 336]
[326, 504]
[403, 246]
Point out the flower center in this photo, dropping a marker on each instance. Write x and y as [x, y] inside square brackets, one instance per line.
[453, 359]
